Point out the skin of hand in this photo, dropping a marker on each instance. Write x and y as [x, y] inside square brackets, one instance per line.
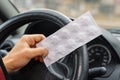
[24, 51]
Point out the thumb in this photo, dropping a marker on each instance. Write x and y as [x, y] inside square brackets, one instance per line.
[34, 52]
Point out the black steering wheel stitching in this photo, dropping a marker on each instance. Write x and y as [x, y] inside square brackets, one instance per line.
[56, 18]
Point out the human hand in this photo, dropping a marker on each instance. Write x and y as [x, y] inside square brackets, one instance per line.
[23, 52]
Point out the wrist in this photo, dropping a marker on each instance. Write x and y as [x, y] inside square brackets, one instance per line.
[7, 62]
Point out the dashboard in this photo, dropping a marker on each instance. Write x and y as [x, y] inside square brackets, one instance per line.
[102, 54]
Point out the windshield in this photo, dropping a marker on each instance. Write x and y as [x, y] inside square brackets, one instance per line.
[105, 12]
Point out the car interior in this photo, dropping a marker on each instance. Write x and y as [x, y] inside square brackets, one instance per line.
[96, 60]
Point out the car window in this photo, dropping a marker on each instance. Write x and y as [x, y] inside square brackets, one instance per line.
[105, 12]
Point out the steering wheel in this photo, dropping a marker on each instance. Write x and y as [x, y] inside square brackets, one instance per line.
[71, 67]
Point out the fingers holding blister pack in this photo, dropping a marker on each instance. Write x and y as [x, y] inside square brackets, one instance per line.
[70, 37]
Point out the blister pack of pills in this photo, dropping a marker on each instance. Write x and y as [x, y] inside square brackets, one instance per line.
[75, 34]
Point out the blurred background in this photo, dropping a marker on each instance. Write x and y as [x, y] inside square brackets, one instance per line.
[105, 12]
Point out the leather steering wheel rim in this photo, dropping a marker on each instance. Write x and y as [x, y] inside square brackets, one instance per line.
[49, 15]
